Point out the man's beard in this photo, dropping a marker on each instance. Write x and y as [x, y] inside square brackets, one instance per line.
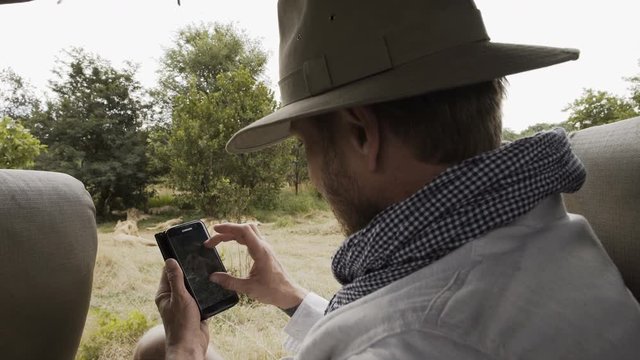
[342, 191]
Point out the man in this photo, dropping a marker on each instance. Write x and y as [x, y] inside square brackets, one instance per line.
[458, 247]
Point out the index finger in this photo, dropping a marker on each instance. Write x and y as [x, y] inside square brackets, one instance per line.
[244, 234]
[218, 238]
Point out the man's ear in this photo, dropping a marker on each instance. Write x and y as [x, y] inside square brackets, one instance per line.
[364, 134]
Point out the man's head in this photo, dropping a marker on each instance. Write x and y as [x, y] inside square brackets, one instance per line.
[337, 54]
[395, 90]
[365, 158]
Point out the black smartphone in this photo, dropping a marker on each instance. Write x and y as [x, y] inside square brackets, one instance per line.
[184, 243]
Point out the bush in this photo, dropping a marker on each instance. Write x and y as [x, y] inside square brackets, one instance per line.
[115, 337]
[18, 148]
[289, 204]
[160, 200]
[306, 201]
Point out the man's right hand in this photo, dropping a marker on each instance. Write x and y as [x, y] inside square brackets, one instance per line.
[267, 282]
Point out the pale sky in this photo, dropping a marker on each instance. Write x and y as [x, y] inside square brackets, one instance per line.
[32, 35]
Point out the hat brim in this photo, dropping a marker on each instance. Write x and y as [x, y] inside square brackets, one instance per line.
[462, 65]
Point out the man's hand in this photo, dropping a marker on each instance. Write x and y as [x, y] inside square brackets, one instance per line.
[186, 336]
[267, 281]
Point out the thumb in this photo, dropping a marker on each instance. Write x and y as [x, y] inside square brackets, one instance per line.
[175, 278]
[229, 282]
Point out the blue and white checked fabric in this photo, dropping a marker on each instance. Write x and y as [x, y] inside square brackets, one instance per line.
[463, 203]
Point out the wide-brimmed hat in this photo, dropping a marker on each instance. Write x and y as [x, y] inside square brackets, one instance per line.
[341, 53]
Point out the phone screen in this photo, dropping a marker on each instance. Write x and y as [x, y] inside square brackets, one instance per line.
[198, 262]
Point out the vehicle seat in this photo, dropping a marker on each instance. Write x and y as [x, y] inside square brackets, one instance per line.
[610, 197]
[48, 244]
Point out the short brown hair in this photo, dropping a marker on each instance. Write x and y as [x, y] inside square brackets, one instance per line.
[449, 126]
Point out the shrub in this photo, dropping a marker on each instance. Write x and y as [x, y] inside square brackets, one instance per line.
[18, 148]
[115, 337]
[289, 204]
[160, 200]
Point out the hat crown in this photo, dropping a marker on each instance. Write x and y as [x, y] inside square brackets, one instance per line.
[325, 44]
[336, 54]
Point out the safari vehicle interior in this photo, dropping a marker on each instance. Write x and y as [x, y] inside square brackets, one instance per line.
[45, 282]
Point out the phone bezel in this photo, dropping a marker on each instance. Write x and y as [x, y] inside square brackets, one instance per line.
[168, 251]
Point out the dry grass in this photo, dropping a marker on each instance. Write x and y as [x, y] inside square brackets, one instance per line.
[127, 274]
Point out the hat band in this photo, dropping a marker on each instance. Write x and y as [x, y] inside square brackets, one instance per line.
[353, 58]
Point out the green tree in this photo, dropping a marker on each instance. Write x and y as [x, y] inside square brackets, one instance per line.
[17, 97]
[18, 148]
[509, 135]
[201, 53]
[596, 107]
[635, 90]
[93, 129]
[539, 127]
[210, 81]
[158, 152]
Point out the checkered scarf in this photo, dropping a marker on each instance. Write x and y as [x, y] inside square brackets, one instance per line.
[463, 203]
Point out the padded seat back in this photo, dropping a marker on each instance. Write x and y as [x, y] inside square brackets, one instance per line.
[48, 244]
[610, 197]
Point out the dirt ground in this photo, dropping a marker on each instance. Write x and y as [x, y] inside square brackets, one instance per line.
[127, 273]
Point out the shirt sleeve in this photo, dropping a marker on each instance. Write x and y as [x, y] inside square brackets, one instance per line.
[308, 313]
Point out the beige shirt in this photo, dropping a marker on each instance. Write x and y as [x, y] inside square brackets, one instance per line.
[540, 288]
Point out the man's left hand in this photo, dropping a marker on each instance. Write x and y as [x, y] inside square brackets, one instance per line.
[186, 336]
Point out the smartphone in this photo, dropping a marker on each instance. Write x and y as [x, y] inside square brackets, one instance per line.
[184, 243]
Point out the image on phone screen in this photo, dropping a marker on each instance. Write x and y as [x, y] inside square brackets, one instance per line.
[198, 262]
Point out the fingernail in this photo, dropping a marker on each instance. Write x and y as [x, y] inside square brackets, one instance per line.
[171, 262]
[215, 278]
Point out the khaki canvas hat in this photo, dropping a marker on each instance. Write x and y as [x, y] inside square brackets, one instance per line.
[341, 53]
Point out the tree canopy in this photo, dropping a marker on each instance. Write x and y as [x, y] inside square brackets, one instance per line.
[635, 90]
[92, 128]
[597, 107]
[592, 108]
[211, 80]
[18, 100]
[18, 148]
